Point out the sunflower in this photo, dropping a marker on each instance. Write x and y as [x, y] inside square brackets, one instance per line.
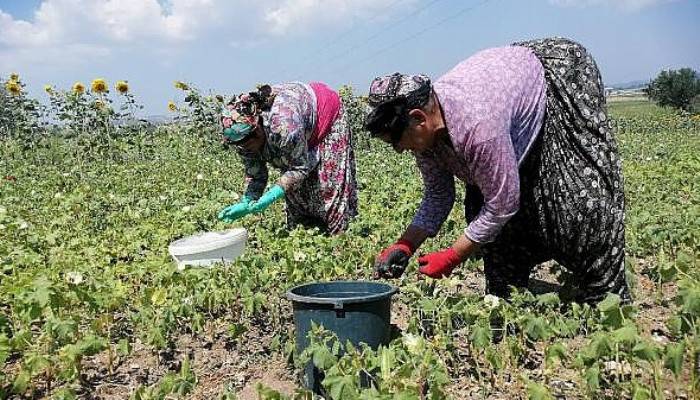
[14, 77]
[13, 87]
[78, 88]
[99, 104]
[181, 85]
[122, 87]
[171, 106]
[99, 86]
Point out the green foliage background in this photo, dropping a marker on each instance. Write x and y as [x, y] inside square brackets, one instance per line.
[85, 222]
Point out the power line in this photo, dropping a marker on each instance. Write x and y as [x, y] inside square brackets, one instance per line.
[336, 39]
[381, 32]
[377, 34]
[412, 36]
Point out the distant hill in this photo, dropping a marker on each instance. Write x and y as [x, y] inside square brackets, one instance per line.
[154, 120]
[638, 84]
[158, 119]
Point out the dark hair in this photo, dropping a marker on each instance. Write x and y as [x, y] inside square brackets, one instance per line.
[389, 117]
[255, 102]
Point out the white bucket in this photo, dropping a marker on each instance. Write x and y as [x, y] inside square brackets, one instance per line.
[205, 249]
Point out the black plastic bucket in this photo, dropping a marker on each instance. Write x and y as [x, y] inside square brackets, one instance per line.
[356, 311]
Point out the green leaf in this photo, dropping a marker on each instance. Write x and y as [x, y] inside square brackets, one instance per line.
[159, 297]
[41, 293]
[236, 330]
[386, 364]
[5, 348]
[673, 357]
[64, 394]
[341, 387]
[684, 261]
[556, 351]
[322, 357]
[536, 391]
[610, 303]
[640, 392]
[592, 377]
[627, 335]
[481, 335]
[536, 328]
[21, 382]
[674, 325]
[494, 358]
[645, 351]
[123, 347]
[266, 393]
[548, 300]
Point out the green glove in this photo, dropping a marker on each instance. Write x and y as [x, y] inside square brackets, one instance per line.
[274, 193]
[235, 211]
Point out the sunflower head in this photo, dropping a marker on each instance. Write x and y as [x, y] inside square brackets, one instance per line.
[14, 77]
[171, 106]
[78, 88]
[99, 86]
[181, 85]
[122, 87]
[13, 87]
[99, 104]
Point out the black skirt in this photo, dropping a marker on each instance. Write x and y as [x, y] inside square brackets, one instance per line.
[572, 199]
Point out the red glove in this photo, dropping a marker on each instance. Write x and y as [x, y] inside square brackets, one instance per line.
[393, 260]
[439, 264]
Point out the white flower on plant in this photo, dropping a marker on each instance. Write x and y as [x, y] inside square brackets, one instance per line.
[163, 198]
[23, 225]
[200, 177]
[76, 278]
[299, 256]
[111, 196]
[492, 301]
[66, 174]
[2, 227]
[186, 208]
[413, 343]
[58, 195]
[181, 266]
[187, 301]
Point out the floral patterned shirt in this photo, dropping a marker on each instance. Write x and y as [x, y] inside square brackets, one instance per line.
[494, 105]
[288, 126]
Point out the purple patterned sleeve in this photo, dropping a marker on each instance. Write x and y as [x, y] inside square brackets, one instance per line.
[495, 171]
[438, 194]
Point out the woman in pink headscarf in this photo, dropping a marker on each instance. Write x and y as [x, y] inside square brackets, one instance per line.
[301, 130]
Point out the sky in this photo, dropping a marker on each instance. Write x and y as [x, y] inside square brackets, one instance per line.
[229, 46]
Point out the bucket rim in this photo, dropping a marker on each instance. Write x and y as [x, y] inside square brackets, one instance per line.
[339, 302]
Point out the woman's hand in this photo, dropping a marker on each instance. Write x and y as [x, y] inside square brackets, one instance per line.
[392, 261]
[441, 263]
[235, 211]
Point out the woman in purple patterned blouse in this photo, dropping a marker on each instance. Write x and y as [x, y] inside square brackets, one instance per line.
[300, 129]
[525, 128]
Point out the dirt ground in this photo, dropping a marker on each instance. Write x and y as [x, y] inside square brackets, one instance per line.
[236, 367]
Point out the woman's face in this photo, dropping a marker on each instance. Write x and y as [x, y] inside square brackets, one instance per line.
[255, 142]
[420, 134]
